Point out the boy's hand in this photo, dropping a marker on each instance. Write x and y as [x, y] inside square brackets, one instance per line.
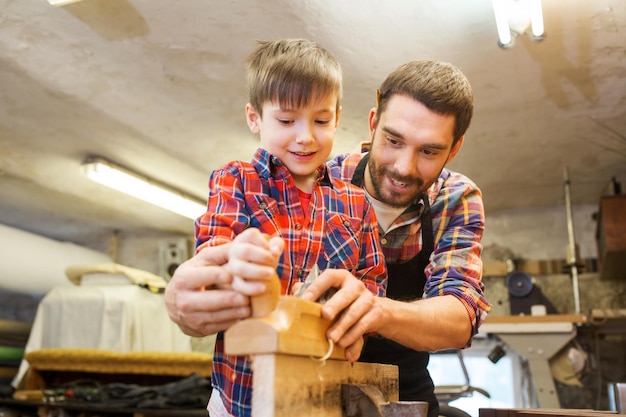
[252, 259]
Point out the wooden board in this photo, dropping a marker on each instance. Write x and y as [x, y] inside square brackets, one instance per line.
[543, 412]
[53, 366]
[548, 318]
[295, 327]
[287, 386]
[536, 267]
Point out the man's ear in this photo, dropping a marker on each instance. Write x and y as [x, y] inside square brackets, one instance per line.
[253, 119]
[455, 148]
[373, 121]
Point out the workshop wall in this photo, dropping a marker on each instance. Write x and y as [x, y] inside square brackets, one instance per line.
[541, 235]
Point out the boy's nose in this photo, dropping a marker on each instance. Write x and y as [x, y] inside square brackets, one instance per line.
[305, 135]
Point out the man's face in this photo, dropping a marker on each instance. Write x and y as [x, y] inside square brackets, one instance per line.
[410, 146]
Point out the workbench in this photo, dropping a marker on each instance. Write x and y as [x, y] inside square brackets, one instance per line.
[536, 339]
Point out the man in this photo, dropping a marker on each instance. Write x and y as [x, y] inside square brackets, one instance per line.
[430, 219]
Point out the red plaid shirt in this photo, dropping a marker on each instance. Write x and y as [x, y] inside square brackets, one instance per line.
[338, 231]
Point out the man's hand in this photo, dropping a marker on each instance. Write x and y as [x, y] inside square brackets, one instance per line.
[203, 297]
[356, 309]
[199, 298]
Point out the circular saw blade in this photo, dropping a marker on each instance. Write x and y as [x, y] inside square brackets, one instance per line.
[519, 283]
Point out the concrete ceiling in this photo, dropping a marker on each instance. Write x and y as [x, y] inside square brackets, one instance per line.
[158, 86]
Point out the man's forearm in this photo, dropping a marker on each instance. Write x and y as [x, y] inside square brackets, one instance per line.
[426, 325]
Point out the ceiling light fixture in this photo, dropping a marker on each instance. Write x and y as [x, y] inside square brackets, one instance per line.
[61, 3]
[515, 17]
[121, 179]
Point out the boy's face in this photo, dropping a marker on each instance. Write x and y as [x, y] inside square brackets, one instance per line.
[301, 138]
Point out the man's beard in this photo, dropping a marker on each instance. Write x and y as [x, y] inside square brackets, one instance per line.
[392, 198]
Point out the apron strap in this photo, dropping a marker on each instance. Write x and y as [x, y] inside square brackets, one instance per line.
[359, 172]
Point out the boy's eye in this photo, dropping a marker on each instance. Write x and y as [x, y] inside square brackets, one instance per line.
[322, 122]
[285, 121]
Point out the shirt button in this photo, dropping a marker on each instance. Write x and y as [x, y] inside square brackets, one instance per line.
[383, 241]
[263, 206]
[301, 273]
[298, 226]
[346, 223]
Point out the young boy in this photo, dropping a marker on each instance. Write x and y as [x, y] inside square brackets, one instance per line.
[286, 192]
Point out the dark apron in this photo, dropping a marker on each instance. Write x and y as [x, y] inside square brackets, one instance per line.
[406, 281]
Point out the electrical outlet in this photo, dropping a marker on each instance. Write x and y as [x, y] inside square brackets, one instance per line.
[171, 255]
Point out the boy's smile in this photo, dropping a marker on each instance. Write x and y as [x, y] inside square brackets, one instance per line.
[301, 138]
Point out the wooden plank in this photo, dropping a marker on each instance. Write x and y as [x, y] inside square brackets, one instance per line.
[536, 267]
[548, 318]
[289, 379]
[28, 395]
[565, 413]
[295, 327]
[112, 362]
[544, 412]
[496, 268]
[287, 385]
[612, 224]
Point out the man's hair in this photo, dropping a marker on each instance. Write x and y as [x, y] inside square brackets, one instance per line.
[291, 72]
[440, 86]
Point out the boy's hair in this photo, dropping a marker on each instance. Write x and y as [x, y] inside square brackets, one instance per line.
[440, 86]
[292, 73]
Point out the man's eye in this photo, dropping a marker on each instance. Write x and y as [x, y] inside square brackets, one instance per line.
[429, 152]
[393, 141]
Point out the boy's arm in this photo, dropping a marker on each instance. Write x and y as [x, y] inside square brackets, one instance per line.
[225, 216]
[210, 291]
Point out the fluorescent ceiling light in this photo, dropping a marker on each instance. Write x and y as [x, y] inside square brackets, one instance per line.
[501, 12]
[514, 17]
[60, 3]
[536, 18]
[139, 186]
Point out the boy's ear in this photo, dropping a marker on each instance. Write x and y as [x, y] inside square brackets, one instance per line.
[339, 110]
[252, 118]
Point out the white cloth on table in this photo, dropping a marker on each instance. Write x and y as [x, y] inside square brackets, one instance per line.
[122, 318]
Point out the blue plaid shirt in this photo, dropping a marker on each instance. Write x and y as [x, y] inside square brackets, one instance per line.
[458, 220]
